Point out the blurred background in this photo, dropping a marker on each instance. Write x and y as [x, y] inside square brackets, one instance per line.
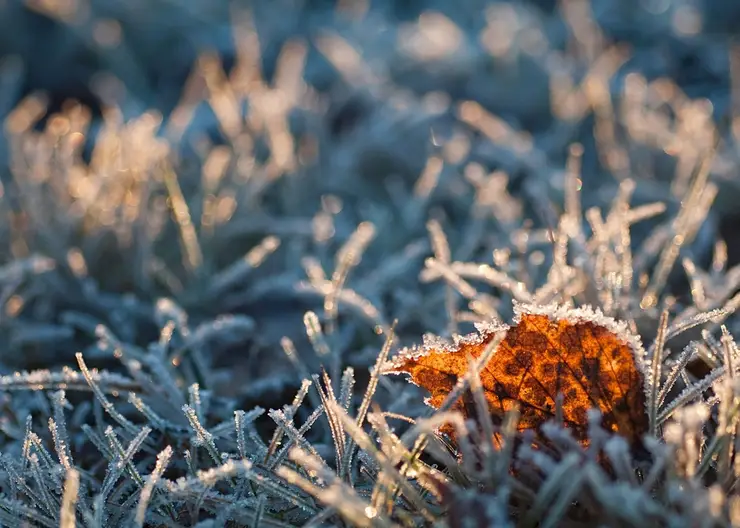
[524, 61]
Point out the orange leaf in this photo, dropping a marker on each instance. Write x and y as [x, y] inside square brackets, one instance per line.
[593, 360]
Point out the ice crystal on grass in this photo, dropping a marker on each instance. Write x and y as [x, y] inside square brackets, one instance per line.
[198, 308]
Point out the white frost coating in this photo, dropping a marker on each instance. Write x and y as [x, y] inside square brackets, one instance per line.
[207, 478]
[46, 379]
[553, 311]
[587, 314]
[491, 327]
[432, 343]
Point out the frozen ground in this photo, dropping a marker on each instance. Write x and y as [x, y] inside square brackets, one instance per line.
[248, 179]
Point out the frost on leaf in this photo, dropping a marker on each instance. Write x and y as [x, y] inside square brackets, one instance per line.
[589, 358]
